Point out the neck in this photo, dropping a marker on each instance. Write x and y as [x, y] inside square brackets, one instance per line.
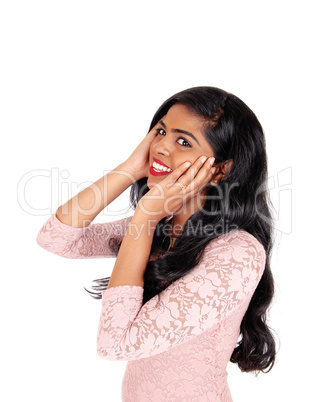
[179, 219]
[176, 226]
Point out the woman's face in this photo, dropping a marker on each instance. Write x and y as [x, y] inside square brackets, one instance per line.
[179, 139]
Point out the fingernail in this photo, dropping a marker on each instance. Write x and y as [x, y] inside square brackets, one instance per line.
[213, 170]
[212, 160]
[187, 164]
[203, 159]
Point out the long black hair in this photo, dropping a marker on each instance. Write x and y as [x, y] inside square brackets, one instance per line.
[234, 133]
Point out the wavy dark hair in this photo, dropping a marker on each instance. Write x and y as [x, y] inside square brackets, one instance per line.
[234, 133]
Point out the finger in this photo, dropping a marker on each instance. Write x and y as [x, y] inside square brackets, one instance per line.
[179, 171]
[196, 168]
[151, 135]
[206, 169]
[188, 176]
[197, 175]
[147, 140]
[203, 176]
[153, 131]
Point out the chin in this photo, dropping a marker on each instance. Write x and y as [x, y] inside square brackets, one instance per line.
[150, 184]
[152, 181]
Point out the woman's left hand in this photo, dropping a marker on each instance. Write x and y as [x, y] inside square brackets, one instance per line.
[168, 196]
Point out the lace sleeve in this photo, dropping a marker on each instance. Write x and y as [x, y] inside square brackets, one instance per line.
[92, 241]
[225, 279]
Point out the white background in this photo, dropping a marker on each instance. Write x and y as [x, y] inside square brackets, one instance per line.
[80, 82]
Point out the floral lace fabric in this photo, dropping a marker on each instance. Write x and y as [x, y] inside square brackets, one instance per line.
[89, 242]
[177, 344]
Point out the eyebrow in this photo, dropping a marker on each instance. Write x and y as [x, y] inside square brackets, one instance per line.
[177, 130]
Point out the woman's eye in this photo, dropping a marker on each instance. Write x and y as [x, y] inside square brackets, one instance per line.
[160, 131]
[184, 142]
[181, 141]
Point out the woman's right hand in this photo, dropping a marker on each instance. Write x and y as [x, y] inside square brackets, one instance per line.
[138, 161]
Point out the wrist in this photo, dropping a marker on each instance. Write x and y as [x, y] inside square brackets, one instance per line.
[149, 219]
[123, 175]
[135, 175]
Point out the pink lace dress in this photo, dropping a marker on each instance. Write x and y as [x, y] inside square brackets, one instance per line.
[177, 344]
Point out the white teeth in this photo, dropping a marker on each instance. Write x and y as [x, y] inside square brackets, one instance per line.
[161, 168]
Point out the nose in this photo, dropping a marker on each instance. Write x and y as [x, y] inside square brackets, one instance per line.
[163, 147]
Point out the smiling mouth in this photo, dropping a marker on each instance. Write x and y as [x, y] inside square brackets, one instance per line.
[156, 169]
[160, 168]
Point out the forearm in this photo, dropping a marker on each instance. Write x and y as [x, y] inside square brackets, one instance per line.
[80, 210]
[134, 252]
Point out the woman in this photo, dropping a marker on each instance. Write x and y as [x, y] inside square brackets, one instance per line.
[191, 283]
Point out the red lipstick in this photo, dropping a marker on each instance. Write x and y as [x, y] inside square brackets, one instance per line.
[154, 173]
[161, 163]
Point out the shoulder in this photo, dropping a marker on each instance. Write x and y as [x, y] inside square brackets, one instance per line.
[237, 239]
[235, 248]
[229, 271]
